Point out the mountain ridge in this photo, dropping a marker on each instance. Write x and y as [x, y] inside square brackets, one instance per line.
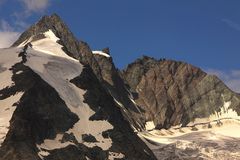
[70, 102]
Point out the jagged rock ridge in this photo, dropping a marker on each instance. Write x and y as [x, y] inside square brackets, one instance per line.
[173, 93]
[48, 121]
[64, 98]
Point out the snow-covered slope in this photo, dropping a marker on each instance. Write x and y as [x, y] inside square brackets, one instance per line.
[219, 142]
[42, 85]
[46, 58]
[7, 107]
[213, 137]
[60, 100]
[48, 44]
[58, 71]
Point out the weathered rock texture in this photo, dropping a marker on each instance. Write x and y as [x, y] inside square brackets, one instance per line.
[116, 87]
[164, 91]
[58, 27]
[42, 114]
[173, 93]
[74, 48]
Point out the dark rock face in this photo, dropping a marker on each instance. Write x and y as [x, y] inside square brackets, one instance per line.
[124, 139]
[77, 49]
[88, 138]
[106, 50]
[40, 114]
[114, 84]
[87, 58]
[164, 91]
[173, 93]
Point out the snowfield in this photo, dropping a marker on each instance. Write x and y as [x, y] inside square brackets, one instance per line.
[51, 145]
[216, 137]
[58, 71]
[48, 45]
[220, 143]
[213, 138]
[9, 57]
[47, 59]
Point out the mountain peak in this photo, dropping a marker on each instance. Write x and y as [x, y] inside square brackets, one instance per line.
[106, 50]
[58, 27]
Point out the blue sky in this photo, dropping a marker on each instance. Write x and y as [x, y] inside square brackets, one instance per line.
[204, 33]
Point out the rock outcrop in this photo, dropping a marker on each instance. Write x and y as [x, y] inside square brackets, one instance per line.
[59, 28]
[173, 93]
[65, 101]
[48, 122]
[114, 84]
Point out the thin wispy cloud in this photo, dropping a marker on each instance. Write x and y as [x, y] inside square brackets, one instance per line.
[231, 78]
[7, 34]
[2, 1]
[30, 7]
[35, 5]
[231, 24]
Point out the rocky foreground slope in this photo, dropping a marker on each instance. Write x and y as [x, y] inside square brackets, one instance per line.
[60, 100]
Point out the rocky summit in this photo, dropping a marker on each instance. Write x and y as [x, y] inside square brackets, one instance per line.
[173, 93]
[59, 100]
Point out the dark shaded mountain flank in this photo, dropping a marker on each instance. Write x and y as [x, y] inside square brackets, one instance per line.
[124, 139]
[42, 114]
[166, 92]
[114, 84]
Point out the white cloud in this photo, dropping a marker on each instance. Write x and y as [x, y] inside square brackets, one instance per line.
[10, 33]
[5, 26]
[232, 24]
[7, 38]
[231, 78]
[35, 5]
[7, 34]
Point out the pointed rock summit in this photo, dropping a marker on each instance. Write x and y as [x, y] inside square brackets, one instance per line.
[79, 50]
[106, 50]
[58, 27]
[60, 100]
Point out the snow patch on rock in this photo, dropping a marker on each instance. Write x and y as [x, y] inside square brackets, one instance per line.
[6, 111]
[219, 142]
[8, 57]
[57, 71]
[225, 113]
[48, 45]
[149, 125]
[51, 144]
[114, 155]
[215, 137]
[101, 53]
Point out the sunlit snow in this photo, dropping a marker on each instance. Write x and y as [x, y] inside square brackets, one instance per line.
[101, 53]
[215, 137]
[9, 57]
